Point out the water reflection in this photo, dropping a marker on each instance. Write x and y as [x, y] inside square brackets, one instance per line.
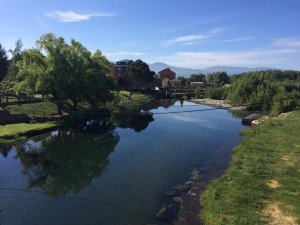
[135, 120]
[66, 160]
[69, 159]
[117, 169]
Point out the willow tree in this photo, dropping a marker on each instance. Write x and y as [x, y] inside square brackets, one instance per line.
[65, 71]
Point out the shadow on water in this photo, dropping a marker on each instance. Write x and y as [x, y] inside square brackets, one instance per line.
[67, 160]
[137, 122]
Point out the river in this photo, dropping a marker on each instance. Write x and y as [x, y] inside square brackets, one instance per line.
[116, 172]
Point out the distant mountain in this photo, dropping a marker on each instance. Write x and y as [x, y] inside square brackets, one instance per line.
[186, 72]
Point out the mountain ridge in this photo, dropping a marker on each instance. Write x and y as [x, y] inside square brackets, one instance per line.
[186, 72]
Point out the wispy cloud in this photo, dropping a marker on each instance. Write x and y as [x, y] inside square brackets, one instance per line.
[70, 16]
[263, 57]
[192, 25]
[190, 118]
[196, 38]
[237, 40]
[287, 42]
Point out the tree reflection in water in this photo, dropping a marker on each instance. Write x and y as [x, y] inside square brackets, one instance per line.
[67, 160]
[134, 120]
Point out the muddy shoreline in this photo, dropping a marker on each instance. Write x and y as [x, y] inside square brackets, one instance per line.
[218, 103]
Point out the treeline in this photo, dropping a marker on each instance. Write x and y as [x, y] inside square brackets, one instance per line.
[65, 73]
[263, 90]
[212, 78]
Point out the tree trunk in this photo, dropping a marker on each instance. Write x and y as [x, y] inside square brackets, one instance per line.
[59, 105]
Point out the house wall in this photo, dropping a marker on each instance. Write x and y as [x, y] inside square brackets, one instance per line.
[120, 68]
[167, 73]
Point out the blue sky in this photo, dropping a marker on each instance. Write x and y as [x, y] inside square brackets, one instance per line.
[184, 33]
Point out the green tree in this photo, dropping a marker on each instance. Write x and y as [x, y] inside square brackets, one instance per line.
[263, 90]
[215, 93]
[197, 92]
[198, 77]
[65, 72]
[6, 89]
[16, 57]
[218, 78]
[184, 81]
[3, 63]
[139, 71]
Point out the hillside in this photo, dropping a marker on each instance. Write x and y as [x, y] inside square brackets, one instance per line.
[186, 72]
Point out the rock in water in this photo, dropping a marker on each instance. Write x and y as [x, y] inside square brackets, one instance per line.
[165, 212]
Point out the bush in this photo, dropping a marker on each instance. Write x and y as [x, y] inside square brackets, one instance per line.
[215, 93]
[277, 108]
[197, 93]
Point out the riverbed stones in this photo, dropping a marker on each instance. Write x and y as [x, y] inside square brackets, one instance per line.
[195, 175]
[170, 193]
[182, 188]
[184, 195]
[177, 199]
[166, 212]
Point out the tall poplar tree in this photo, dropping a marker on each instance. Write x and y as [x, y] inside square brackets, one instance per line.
[16, 56]
[3, 63]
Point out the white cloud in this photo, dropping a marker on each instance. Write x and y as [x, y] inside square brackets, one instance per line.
[287, 42]
[186, 40]
[192, 25]
[266, 57]
[193, 39]
[190, 118]
[71, 16]
[237, 40]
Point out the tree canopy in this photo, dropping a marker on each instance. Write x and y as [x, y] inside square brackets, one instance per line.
[266, 89]
[65, 71]
[218, 78]
[16, 56]
[3, 63]
[198, 77]
[139, 71]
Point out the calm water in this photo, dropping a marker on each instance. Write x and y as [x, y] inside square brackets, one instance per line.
[113, 173]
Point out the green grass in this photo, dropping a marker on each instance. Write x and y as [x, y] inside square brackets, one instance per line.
[126, 104]
[36, 109]
[134, 95]
[15, 132]
[269, 152]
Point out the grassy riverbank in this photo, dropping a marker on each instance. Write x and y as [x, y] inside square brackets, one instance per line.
[262, 185]
[12, 133]
[131, 101]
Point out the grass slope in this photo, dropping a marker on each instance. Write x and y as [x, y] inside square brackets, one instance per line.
[15, 132]
[36, 109]
[262, 184]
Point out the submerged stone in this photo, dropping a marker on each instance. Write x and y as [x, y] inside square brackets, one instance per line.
[166, 212]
